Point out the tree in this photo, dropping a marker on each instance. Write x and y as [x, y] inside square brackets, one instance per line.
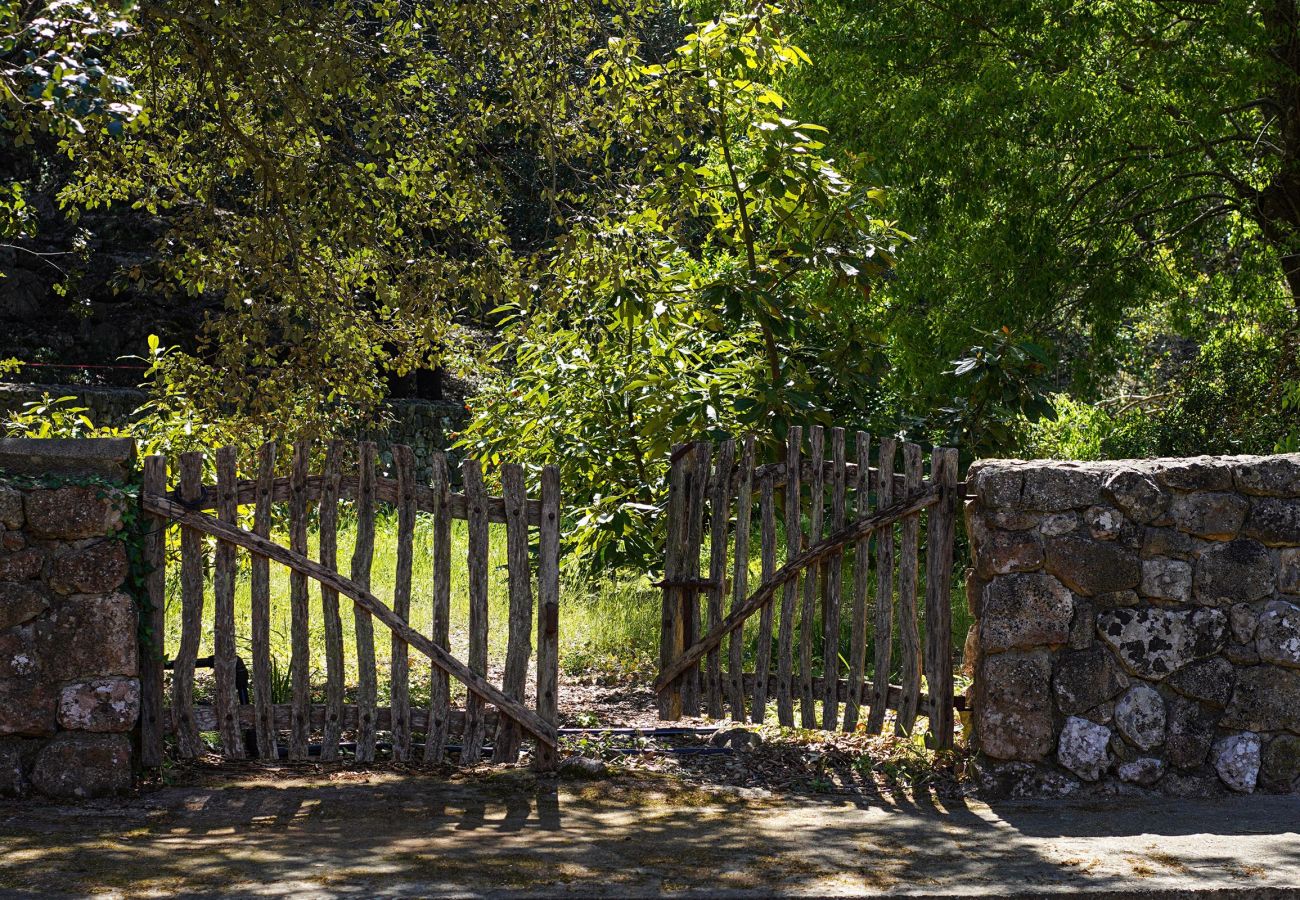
[1082, 173]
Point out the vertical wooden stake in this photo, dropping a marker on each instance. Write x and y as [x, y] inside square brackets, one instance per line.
[188, 745]
[908, 627]
[331, 488]
[740, 583]
[884, 630]
[719, 517]
[153, 619]
[699, 478]
[861, 599]
[834, 588]
[400, 690]
[259, 580]
[938, 602]
[808, 614]
[672, 638]
[223, 608]
[793, 546]
[763, 656]
[472, 476]
[299, 616]
[548, 612]
[362, 558]
[435, 742]
[518, 641]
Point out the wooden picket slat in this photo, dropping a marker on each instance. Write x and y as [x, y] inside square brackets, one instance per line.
[861, 589]
[883, 636]
[332, 729]
[259, 581]
[520, 617]
[152, 702]
[702, 451]
[793, 544]
[299, 616]
[812, 579]
[672, 639]
[435, 743]
[223, 613]
[548, 613]
[941, 524]
[908, 631]
[740, 581]
[763, 656]
[719, 516]
[399, 672]
[834, 587]
[363, 624]
[188, 745]
[472, 477]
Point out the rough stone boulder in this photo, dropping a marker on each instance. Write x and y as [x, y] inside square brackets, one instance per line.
[1167, 542]
[1235, 572]
[1140, 717]
[1013, 709]
[95, 569]
[1277, 639]
[21, 565]
[1054, 487]
[1237, 759]
[77, 765]
[73, 512]
[1090, 566]
[1274, 522]
[20, 603]
[1197, 473]
[1024, 610]
[92, 635]
[1269, 476]
[1288, 570]
[1004, 552]
[11, 507]
[1137, 494]
[1154, 643]
[1085, 679]
[1084, 748]
[1217, 517]
[1265, 698]
[1145, 770]
[105, 704]
[26, 707]
[1105, 523]
[1189, 732]
[1166, 579]
[1279, 766]
[1209, 680]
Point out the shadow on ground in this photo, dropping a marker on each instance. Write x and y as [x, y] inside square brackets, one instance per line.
[285, 833]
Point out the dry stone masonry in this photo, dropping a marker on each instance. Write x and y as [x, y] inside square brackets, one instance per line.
[69, 691]
[1137, 624]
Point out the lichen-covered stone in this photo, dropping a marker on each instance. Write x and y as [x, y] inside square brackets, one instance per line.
[1090, 566]
[1168, 542]
[1013, 519]
[1243, 619]
[1116, 599]
[1084, 748]
[1218, 517]
[1025, 610]
[1059, 523]
[1241, 654]
[18, 654]
[1146, 771]
[1279, 766]
[1153, 643]
[1004, 552]
[1197, 473]
[1140, 717]
[1265, 698]
[91, 636]
[1269, 476]
[1104, 522]
[20, 603]
[12, 780]
[1237, 759]
[105, 704]
[73, 512]
[1288, 570]
[80, 765]
[21, 565]
[1013, 705]
[96, 569]
[11, 507]
[1060, 487]
[26, 707]
[1166, 579]
[1274, 522]
[1209, 680]
[1277, 639]
[1189, 732]
[1137, 494]
[1085, 679]
[1235, 572]
[1082, 624]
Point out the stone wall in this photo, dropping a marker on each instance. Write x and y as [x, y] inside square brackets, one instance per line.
[1137, 624]
[69, 692]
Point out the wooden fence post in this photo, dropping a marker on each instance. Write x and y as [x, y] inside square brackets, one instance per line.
[812, 579]
[151, 659]
[223, 612]
[672, 637]
[938, 608]
[719, 518]
[435, 739]
[740, 582]
[861, 587]
[362, 558]
[400, 677]
[299, 621]
[331, 486]
[834, 589]
[548, 612]
[884, 631]
[187, 731]
[909, 637]
[520, 617]
[477, 560]
[259, 580]
[793, 545]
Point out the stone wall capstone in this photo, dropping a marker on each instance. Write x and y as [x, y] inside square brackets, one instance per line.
[69, 686]
[1137, 625]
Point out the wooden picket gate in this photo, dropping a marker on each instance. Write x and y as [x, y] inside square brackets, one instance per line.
[715, 494]
[186, 506]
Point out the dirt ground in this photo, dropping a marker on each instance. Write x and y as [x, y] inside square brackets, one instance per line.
[306, 832]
